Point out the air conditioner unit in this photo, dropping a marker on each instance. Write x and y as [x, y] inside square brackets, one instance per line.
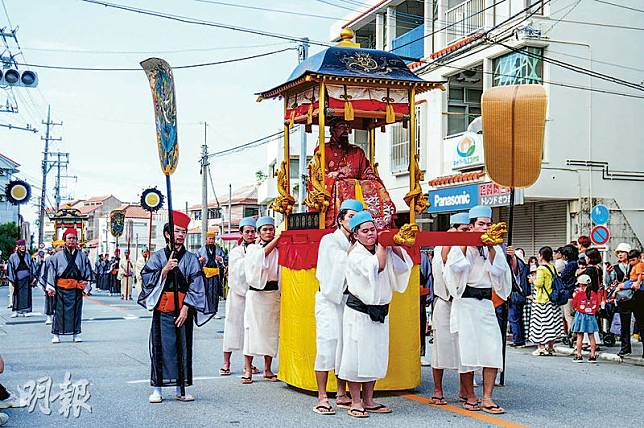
[527, 33]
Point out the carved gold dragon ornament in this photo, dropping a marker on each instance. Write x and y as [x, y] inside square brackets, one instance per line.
[284, 202]
[318, 197]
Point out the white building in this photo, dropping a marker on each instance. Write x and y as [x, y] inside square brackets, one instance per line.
[594, 147]
[8, 211]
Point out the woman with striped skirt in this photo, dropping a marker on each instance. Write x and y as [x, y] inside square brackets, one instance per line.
[546, 324]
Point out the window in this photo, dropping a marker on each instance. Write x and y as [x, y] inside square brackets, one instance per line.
[361, 139]
[400, 143]
[539, 9]
[251, 211]
[214, 213]
[463, 106]
[519, 68]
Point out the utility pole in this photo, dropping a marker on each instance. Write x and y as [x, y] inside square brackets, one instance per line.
[230, 214]
[204, 184]
[61, 161]
[45, 169]
[303, 54]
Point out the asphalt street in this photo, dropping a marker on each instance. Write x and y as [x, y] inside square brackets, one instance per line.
[539, 391]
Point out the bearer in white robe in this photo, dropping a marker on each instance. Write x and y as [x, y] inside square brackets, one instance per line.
[236, 299]
[329, 305]
[373, 274]
[471, 273]
[444, 348]
[262, 314]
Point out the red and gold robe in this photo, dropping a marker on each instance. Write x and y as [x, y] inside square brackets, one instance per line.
[355, 175]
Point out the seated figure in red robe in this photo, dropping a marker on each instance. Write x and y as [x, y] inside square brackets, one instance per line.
[349, 172]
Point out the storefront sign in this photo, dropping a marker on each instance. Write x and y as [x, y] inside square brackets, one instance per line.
[465, 197]
[453, 198]
[467, 151]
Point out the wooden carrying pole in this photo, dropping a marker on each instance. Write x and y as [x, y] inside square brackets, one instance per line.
[514, 119]
[412, 152]
[287, 159]
[321, 124]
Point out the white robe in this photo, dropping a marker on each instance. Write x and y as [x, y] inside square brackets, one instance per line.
[235, 301]
[365, 343]
[330, 299]
[262, 314]
[444, 352]
[474, 320]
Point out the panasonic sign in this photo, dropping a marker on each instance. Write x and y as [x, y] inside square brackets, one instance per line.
[453, 199]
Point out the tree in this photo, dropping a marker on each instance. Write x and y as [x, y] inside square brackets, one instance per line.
[9, 233]
[260, 176]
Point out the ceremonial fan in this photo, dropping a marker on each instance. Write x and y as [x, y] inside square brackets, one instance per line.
[18, 192]
[514, 120]
[151, 201]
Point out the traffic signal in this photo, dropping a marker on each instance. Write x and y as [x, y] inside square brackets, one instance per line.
[13, 77]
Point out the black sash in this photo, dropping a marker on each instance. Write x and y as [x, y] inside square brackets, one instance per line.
[270, 286]
[71, 271]
[182, 283]
[477, 293]
[22, 265]
[211, 261]
[377, 313]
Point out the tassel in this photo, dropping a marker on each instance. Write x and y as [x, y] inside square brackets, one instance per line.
[309, 114]
[308, 129]
[358, 193]
[348, 111]
[383, 129]
[391, 114]
[292, 120]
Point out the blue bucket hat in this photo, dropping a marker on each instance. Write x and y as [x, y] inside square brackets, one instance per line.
[459, 218]
[361, 217]
[263, 221]
[351, 204]
[480, 211]
[247, 221]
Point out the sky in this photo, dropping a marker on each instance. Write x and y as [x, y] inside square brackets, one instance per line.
[108, 119]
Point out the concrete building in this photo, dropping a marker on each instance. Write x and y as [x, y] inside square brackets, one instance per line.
[593, 146]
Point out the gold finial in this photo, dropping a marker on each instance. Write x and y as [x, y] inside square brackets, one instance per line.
[347, 35]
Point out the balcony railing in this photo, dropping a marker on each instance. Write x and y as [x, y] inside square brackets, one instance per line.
[410, 44]
[464, 19]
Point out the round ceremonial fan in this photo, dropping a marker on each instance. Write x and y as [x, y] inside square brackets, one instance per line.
[152, 199]
[18, 192]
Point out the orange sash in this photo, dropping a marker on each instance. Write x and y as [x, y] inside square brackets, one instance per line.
[70, 284]
[166, 303]
[210, 272]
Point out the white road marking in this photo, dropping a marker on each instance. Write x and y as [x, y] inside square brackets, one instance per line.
[194, 378]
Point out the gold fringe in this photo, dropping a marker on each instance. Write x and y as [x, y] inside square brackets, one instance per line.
[348, 111]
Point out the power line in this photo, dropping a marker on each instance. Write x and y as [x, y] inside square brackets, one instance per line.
[288, 12]
[568, 12]
[258, 142]
[620, 6]
[179, 67]
[188, 20]
[169, 51]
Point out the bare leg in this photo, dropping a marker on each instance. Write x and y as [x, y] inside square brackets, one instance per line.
[248, 366]
[467, 387]
[593, 344]
[341, 396]
[268, 362]
[489, 376]
[227, 360]
[356, 401]
[437, 374]
[367, 391]
[580, 339]
[321, 379]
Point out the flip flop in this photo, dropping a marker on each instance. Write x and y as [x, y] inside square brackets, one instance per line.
[254, 370]
[379, 408]
[438, 401]
[471, 407]
[358, 413]
[246, 380]
[272, 378]
[324, 410]
[186, 397]
[224, 372]
[464, 400]
[343, 405]
[494, 410]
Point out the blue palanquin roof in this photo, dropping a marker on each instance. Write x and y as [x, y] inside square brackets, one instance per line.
[352, 64]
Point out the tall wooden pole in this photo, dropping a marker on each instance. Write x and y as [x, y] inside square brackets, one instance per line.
[321, 124]
[412, 152]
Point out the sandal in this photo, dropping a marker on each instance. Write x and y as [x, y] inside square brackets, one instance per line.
[358, 413]
[224, 372]
[247, 380]
[439, 401]
[378, 408]
[271, 378]
[254, 370]
[324, 410]
[494, 410]
[471, 407]
[464, 400]
[186, 397]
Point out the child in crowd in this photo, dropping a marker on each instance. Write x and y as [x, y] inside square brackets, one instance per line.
[585, 302]
[636, 272]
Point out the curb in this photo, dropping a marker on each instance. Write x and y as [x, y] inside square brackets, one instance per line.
[604, 356]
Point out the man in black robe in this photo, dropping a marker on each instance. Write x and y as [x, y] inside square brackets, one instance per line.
[171, 328]
[211, 258]
[50, 301]
[67, 277]
[21, 274]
